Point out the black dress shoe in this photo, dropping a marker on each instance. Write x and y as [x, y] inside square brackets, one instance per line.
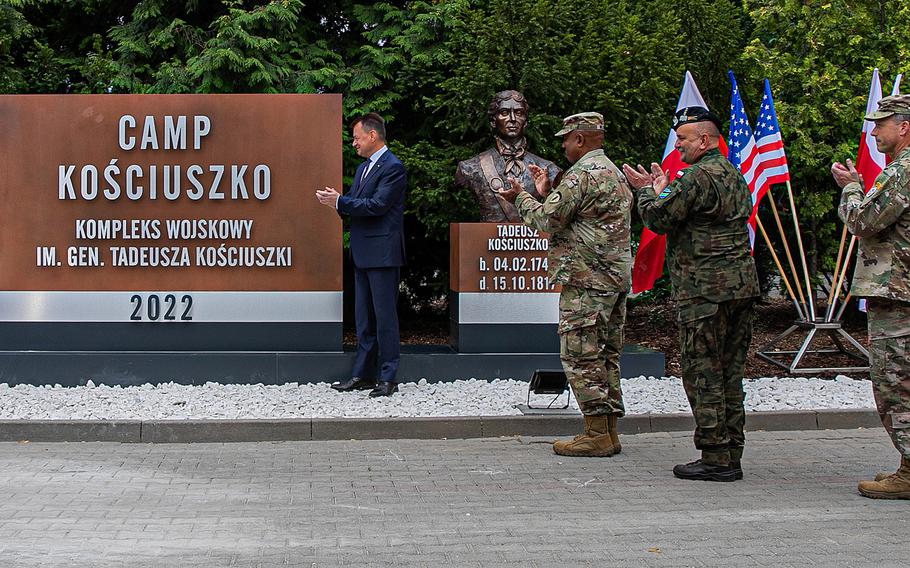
[355, 383]
[704, 471]
[384, 388]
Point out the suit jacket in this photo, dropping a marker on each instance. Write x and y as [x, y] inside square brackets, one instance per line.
[376, 209]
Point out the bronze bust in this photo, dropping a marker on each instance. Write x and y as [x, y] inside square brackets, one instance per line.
[487, 172]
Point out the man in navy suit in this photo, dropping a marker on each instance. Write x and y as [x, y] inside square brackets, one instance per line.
[375, 205]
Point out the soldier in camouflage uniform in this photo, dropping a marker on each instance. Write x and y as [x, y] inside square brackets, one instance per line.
[588, 216]
[704, 214]
[881, 220]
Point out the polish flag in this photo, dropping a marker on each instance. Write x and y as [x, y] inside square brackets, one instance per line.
[869, 161]
[649, 259]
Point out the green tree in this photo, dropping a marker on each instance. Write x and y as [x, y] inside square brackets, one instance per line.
[818, 56]
[55, 46]
[14, 30]
[224, 47]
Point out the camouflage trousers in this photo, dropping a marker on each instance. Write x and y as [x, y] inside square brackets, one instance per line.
[714, 340]
[890, 374]
[590, 342]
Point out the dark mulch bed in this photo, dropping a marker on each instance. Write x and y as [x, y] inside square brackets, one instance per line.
[653, 325]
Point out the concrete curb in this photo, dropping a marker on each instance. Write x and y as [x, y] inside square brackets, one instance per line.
[434, 428]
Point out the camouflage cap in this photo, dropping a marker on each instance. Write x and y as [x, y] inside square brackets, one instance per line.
[896, 104]
[689, 115]
[582, 121]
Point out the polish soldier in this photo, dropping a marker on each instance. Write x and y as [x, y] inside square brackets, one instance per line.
[881, 221]
[588, 217]
[704, 213]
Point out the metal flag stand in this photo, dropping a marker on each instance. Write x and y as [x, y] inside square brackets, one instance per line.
[814, 326]
[830, 325]
[813, 329]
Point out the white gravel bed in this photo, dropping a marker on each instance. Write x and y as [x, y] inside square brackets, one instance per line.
[459, 398]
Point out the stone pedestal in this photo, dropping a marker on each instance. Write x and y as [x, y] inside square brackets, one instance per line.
[500, 299]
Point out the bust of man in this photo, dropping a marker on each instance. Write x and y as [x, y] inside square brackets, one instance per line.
[488, 172]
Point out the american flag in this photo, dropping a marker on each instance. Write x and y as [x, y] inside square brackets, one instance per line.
[773, 168]
[759, 156]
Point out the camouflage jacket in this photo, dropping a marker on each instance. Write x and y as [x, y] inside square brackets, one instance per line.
[881, 220]
[588, 216]
[888, 318]
[704, 212]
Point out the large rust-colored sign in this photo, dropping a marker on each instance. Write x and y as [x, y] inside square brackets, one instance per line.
[498, 257]
[169, 192]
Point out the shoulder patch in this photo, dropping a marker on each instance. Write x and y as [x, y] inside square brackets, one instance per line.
[681, 173]
[665, 193]
[873, 190]
[556, 197]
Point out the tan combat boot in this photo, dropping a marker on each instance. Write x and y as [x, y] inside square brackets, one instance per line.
[883, 474]
[595, 442]
[614, 435]
[893, 486]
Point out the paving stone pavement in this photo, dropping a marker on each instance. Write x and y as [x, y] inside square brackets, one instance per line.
[483, 502]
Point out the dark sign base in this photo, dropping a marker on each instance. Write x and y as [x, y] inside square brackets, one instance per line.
[171, 336]
[504, 337]
[434, 363]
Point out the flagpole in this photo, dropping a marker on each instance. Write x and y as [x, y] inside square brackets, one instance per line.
[805, 311]
[843, 306]
[840, 253]
[843, 274]
[802, 251]
[780, 268]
